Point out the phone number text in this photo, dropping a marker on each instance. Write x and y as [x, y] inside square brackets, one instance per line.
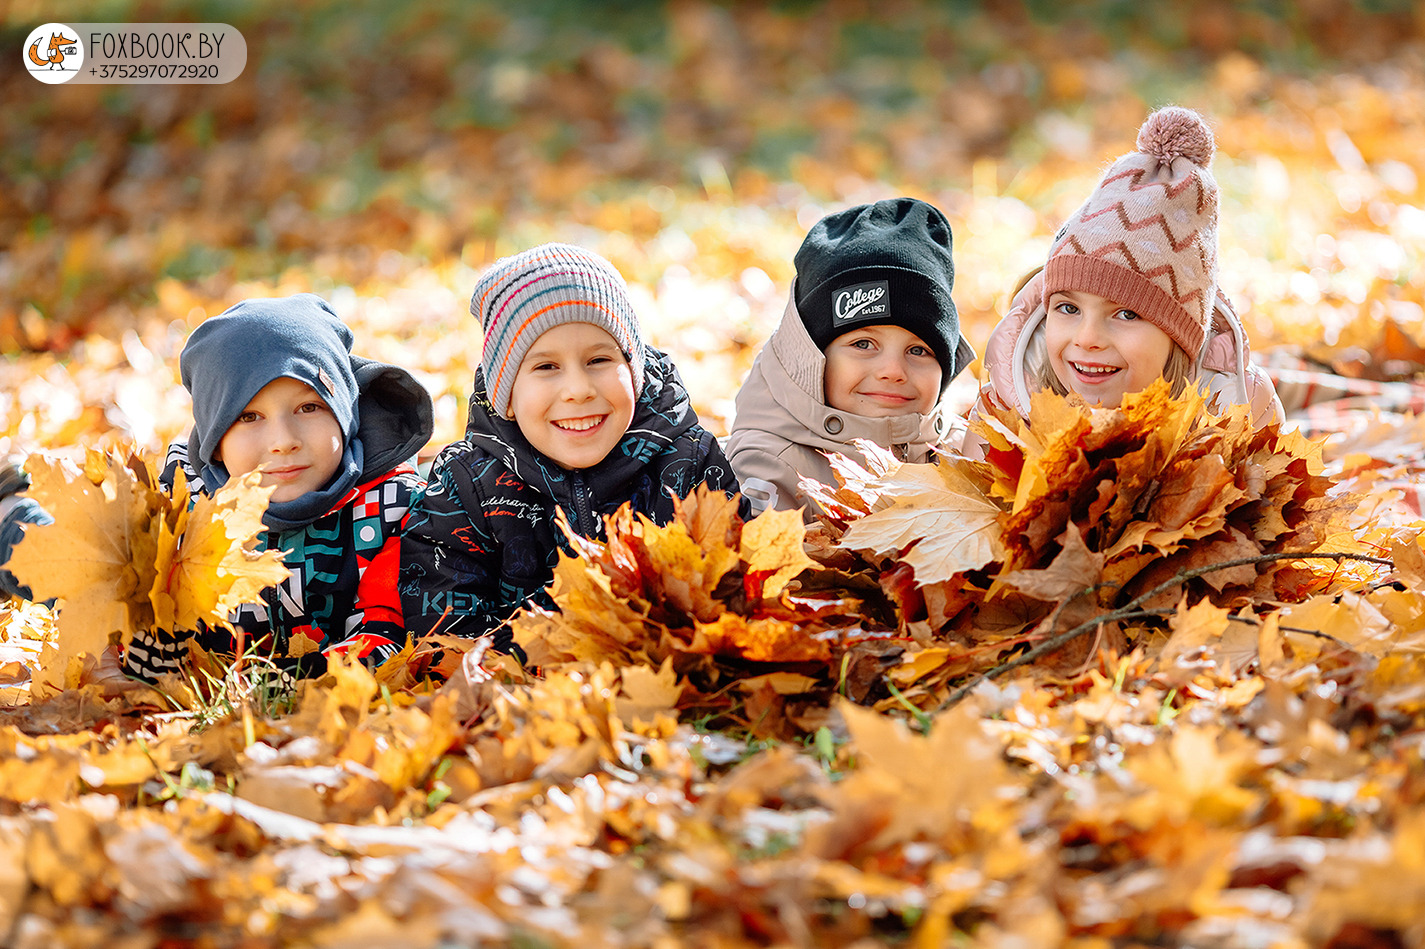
[155, 71]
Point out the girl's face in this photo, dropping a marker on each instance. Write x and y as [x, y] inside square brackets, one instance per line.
[879, 371]
[573, 394]
[288, 433]
[1102, 350]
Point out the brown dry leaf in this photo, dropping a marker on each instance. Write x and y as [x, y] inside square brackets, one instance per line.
[956, 775]
[300, 644]
[1203, 772]
[1074, 569]
[1194, 629]
[646, 692]
[1351, 620]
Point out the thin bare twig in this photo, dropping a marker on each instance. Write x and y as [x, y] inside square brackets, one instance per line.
[1130, 611]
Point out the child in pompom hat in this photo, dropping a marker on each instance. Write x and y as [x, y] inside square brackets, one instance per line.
[1129, 292]
[276, 390]
[570, 410]
[869, 340]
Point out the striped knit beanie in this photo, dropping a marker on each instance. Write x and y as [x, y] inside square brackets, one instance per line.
[1147, 237]
[520, 297]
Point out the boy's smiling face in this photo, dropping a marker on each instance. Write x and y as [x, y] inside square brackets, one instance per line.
[881, 370]
[287, 432]
[573, 394]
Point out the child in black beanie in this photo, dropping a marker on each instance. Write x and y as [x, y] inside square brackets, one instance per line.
[869, 341]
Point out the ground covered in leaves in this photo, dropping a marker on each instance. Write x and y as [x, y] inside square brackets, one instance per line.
[1141, 677]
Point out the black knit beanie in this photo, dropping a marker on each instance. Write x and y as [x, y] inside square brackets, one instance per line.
[888, 262]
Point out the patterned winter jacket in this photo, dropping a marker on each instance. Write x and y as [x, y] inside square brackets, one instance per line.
[342, 591]
[481, 540]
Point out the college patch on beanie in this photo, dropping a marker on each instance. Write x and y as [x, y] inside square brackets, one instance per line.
[861, 303]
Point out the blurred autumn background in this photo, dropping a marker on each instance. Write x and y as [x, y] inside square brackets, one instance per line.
[382, 154]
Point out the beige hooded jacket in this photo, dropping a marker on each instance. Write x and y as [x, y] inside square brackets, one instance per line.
[784, 428]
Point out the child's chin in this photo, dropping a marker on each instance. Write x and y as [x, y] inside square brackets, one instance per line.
[1104, 400]
[578, 463]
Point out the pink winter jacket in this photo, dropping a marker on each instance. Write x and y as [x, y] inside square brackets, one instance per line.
[1224, 367]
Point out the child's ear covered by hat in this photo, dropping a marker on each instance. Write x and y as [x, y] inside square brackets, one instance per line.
[889, 262]
[522, 296]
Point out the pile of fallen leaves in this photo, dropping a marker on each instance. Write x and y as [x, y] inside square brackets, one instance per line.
[1081, 530]
[1233, 770]
[709, 602]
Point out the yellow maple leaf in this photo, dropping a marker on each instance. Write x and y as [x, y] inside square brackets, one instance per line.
[772, 548]
[94, 557]
[123, 555]
[206, 568]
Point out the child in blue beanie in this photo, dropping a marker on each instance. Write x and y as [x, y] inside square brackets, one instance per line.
[276, 390]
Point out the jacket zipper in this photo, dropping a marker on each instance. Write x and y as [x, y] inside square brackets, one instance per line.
[583, 515]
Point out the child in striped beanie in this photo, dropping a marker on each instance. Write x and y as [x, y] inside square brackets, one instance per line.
[1129, 292]
[571, 410]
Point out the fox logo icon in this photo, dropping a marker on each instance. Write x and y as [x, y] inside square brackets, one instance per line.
[59, 47]
[53, 53]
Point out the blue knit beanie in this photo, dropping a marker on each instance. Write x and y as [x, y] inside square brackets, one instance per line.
[229, 358]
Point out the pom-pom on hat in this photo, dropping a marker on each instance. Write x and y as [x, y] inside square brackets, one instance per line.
[887, 262]
[1147, 236]
[521, 296]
